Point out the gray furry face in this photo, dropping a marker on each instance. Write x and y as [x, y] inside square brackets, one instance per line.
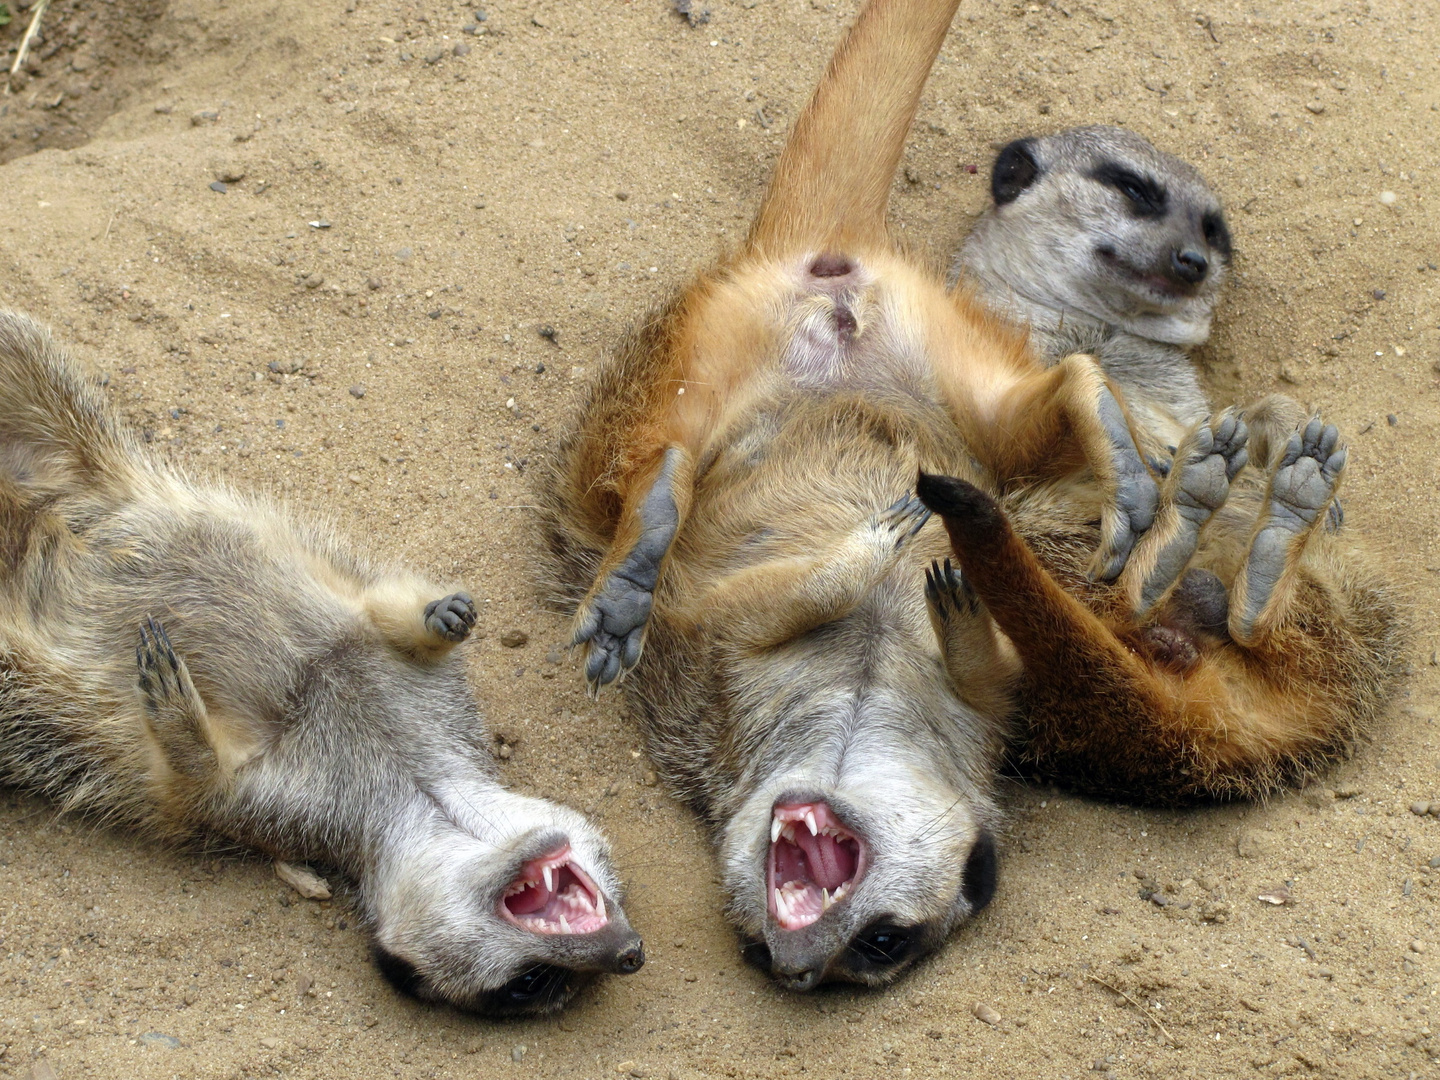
[508, 915]
[1096, 220]
[862, 841]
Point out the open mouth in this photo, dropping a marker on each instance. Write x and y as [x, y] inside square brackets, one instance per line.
[815, 862]
[552, 895]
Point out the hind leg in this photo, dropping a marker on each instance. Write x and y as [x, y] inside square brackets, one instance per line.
[1197, 485]
[611, 620]
[424, 631]
[1297, 500]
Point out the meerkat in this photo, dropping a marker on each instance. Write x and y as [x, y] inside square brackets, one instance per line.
[197, 663]
[732, 519]
[1101, 244]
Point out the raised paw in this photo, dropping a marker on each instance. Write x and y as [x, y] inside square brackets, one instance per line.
[902, 519]
[1303, 485]
[948, 592]
[162, 675]
[451, 617]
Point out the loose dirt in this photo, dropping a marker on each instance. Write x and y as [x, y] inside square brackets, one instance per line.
[427, 237]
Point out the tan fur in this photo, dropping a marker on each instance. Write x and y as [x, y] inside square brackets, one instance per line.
[724, 517]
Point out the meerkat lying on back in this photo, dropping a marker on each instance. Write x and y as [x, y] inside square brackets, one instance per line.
[191, 661]
[1102, 244]
[730, 518]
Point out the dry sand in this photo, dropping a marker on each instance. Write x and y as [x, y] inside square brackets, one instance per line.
[494, 220]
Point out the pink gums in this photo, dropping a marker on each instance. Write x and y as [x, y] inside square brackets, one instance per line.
[814, 862]
[552, 895]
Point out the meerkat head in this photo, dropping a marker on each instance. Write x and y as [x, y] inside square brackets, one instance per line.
[502, 905]
[1095, 219]
[852, 869]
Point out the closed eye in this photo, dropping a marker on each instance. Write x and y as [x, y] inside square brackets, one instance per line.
[1146, 197]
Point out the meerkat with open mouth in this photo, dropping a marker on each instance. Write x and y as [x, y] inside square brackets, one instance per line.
[731, 520]
[194, 662]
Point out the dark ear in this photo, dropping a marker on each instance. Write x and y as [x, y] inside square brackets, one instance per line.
[1015, 170]
[978, 885]
[399, 972]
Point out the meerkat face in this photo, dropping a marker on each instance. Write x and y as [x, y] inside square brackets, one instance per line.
[856, 879]
[514, 923]
[1097, 219]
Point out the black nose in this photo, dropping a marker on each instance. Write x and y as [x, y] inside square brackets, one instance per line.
[799, 981]
[631, 959]
[1189, 265]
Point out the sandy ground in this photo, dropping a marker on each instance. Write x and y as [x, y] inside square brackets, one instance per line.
[499, 204]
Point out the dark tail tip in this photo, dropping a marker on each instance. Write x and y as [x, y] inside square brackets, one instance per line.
[951, 497]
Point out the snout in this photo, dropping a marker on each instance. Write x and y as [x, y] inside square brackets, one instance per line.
[615, 950]
[628, 956]
[1189, 265]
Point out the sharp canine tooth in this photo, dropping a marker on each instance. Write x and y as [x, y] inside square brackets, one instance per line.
[564, 925]
[825, 900]
[775, 826]
[810, 822]
[600, 903]
[549, 878]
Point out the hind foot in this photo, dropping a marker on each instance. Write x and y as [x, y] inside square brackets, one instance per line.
[452, 617]
[1131, 511]
[611, 621]
[1196, 485]
[1301, 493]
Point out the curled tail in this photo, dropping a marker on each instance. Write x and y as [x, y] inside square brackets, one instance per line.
[57, 432]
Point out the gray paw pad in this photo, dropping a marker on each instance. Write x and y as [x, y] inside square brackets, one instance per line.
[1136, 494]
[1303, 486]
[451, 617]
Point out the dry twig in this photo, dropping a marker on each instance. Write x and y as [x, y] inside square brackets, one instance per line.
[1139, 1008]
[31, 33]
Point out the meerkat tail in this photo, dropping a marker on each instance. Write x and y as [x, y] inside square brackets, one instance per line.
[832, 184]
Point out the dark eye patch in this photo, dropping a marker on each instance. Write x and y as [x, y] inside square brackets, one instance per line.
[884, 944]
[1015, 170]
[1217, 233]
[1147, 198]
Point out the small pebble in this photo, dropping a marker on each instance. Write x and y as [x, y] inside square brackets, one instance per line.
[303, 985]
[1392, 419]
[204, 116]
[461, 49]
[1420, 809]
[269, 1042]
[357, 391]
[1417, 946]
[517, 1054]
[170, 1042]
[1388, 198]
[547, 331]
[41, 1070]
[230, 172]
[1378, 294]
[1316, 107]
[303, 880]
[219, 186]
[164, 108]
[434, 57]
[513, 639]
[1435, 863]
[985, 1013]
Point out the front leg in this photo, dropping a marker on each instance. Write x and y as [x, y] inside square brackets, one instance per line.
[422, 629]
[777, 600]
[983, 670]
[611, 620]
[1050, 422]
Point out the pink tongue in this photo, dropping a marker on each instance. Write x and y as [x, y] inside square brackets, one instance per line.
[831, 864]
